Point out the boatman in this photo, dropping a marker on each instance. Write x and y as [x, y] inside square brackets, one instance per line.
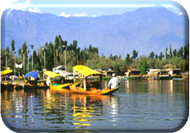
[114, 82]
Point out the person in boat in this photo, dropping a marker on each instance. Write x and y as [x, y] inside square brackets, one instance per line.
[114, 82]
[48, 81]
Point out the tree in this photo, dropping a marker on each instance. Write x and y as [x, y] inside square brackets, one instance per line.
[156, 56]
[19, 52]
[75, 46]
[161, 55]
[56, 47]
[127, 59]
[170, 52]
[105, 63]
[135, 54]
[180, 52]
[174, 52]
[24, 48]
[166, 56]
[49, 56]
[12, 45]
[7, 49]
[111, 57]
[186, 51]
[151, 55]
[143, 65]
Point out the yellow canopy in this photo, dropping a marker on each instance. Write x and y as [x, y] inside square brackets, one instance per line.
[85, 70]
[6, 72]
[51, 74]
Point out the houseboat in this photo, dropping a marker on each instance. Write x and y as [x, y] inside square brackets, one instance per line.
[163, 74]
[55, 81]
[133, 74]
[175, 74]
[152, 74]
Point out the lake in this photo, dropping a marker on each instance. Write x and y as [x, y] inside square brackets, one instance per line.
[139, 105]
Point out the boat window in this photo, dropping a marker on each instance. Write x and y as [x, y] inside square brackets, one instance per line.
[135, 73]
[176, 72]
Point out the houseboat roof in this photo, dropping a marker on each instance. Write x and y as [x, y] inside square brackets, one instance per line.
[151, 70]
[134, 70]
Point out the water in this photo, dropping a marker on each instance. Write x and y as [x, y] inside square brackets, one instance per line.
[138, 105]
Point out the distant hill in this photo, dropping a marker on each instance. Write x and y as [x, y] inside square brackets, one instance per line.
[145, 30]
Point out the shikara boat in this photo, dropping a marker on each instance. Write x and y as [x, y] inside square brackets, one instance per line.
[54, 81]
[89, 86]
[6, 84]
[30, 80]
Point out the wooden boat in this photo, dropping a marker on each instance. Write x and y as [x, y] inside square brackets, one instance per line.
[30, 80]
[67, 76]
[6, 84]
[88, 86]
[54, 81]
[18, 87]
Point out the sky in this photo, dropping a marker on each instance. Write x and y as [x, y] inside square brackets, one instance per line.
[87, 8]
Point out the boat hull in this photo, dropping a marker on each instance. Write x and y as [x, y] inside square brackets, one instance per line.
[93, 91]
[7, 86]
[60, 86]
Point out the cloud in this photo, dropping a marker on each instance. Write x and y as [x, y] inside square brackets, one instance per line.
[180, 13]
[75, 15]
[93, 15]
[24, 6]
[64, 14]
[81, 15]
[35, 9]
[21, 6]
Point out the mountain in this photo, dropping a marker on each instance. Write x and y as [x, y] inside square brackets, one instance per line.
[145, 30]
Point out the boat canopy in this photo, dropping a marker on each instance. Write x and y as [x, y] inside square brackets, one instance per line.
[32, 74]
[65, 73]
[51, 74]
[85, 70]
[6, 72]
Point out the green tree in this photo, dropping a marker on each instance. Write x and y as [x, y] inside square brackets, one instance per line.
[135, 54]
[49, 56]
[180, 52]
[174, 52]
[19, 52]
[186, 51]
[56, 48]
[170, 52]
[161, 55]
[24, 48]
[151, 55]
[111, 57]
[127, 59]
[151, 63]
[166, 55]
[12, 45]
[156, 56]
[7, 50]
[143, 65]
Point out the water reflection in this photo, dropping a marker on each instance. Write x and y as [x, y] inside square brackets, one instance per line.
[137, 105]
